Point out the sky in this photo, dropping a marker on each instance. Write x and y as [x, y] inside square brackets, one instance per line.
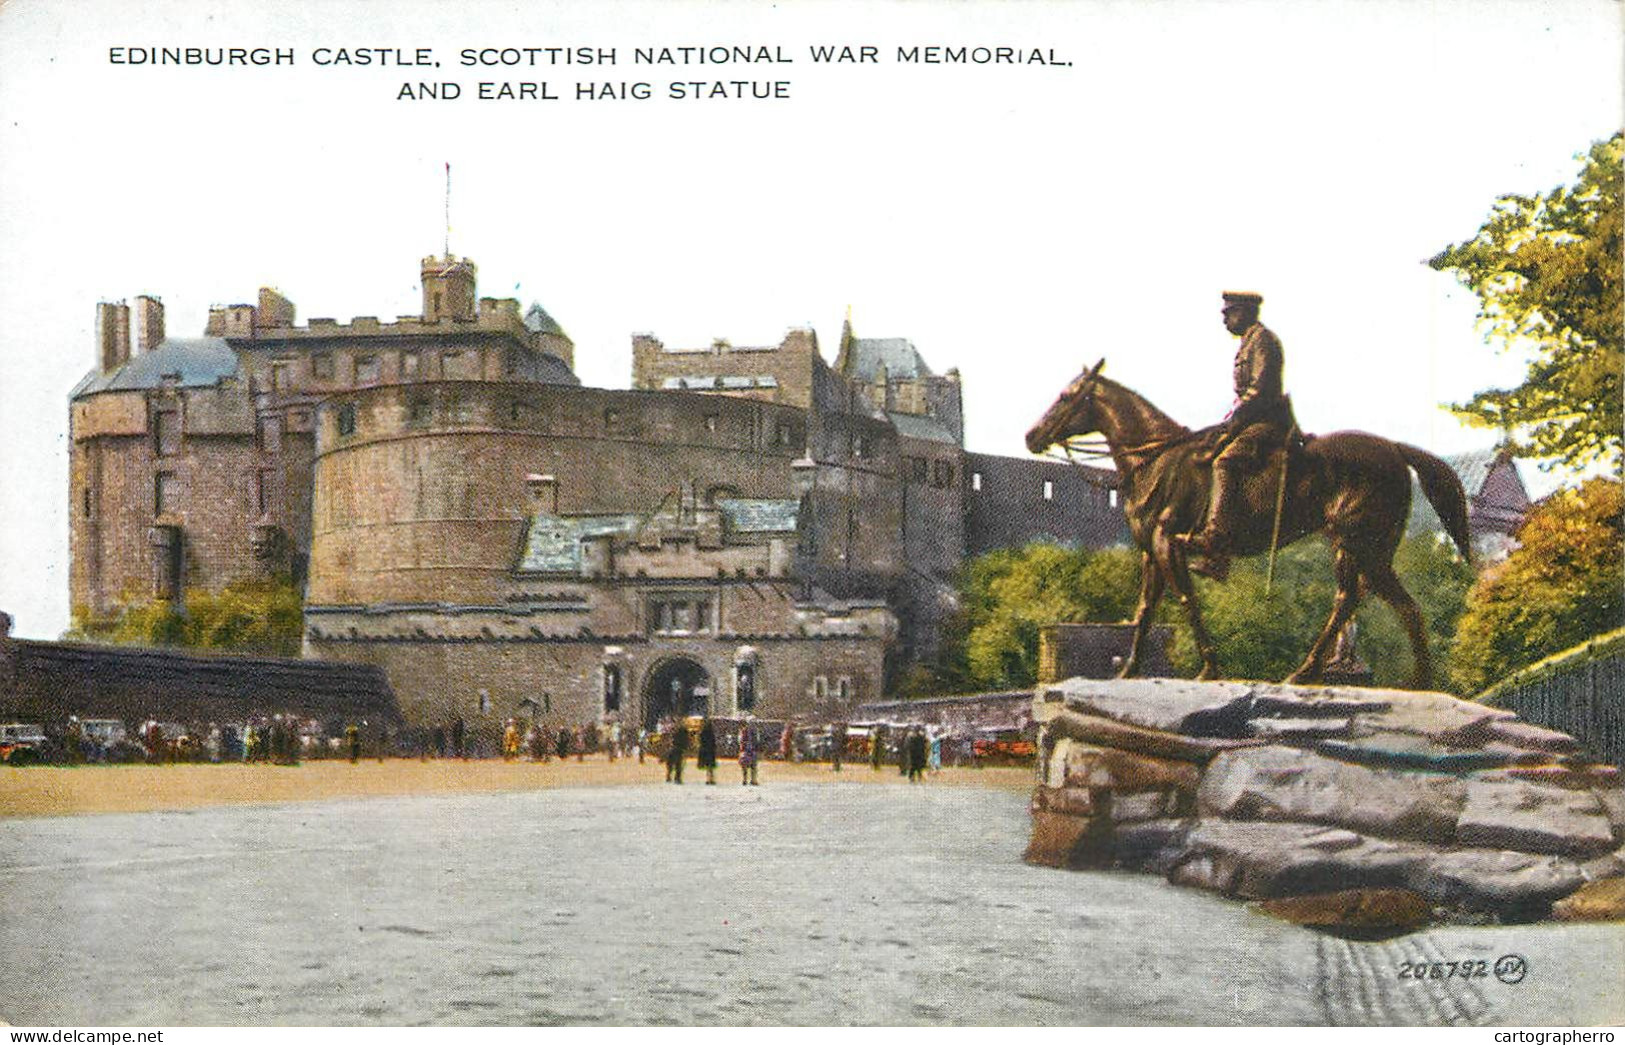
[1016, 221]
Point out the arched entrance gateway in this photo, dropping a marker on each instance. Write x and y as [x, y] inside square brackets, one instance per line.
[676, 687]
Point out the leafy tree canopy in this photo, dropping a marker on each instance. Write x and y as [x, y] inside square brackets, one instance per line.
[264, 617]
[1547, 273]
[1007, 596]
[1559, 588]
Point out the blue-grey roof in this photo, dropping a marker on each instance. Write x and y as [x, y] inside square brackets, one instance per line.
[917, 426]
[553, 544]
[537, 319]
[760, 514]
[1473, 468]
[897, 354]
[191, 362]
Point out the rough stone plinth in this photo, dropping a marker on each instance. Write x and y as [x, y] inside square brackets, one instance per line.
[1369, 804]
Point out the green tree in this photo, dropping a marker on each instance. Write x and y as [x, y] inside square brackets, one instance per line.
[1007, 596]
[264, 617]
[1561, 587]
[1266, 634]
[1547, 273]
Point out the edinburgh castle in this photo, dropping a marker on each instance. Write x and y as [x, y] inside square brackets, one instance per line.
[746, 530]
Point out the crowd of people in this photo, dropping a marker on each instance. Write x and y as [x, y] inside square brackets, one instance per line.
[287, 739]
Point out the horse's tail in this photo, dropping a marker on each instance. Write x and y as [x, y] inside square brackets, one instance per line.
[1444, 491]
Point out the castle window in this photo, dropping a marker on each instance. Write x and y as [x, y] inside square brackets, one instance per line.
[269, 432]
[1111, 498]
[419, 412]
[787, 435]
[265, 489]
[347, 419]
[409, 364]
[321, 366]
[436, 306]
[612, 687]
[680, 615]
[279, 375]
[166, 490]
[510, 362]
[166, 432]
[87, 502]
[368, 370]
[843, 688]
[860, 445]
[916, 469]
[976, 481]
[943, 474]
[745, 687]
[820, 687]
[711, 422]
[1049, 489]
[516, 411]
[612, 420]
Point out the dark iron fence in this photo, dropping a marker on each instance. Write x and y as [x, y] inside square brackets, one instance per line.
[1585, 699]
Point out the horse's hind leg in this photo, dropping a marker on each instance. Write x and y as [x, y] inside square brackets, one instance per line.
[1383, 582]
[1151, 585]
[1346, 570]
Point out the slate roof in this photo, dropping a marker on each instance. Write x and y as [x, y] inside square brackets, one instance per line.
[553, 544]
[915, 426]
[194, 362]
[760, 514]
[897, 354]
[537, 319]
[1472, 468]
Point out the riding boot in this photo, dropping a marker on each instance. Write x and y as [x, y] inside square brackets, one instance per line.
[1214, 541]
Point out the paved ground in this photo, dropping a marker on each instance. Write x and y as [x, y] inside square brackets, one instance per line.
[794, 903]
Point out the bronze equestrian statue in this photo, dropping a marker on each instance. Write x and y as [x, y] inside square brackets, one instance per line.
[1353, 487]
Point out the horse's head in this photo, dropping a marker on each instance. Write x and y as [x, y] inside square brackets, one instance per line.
[1072, 413]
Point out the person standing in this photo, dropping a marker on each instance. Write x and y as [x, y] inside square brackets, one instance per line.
[917, 755]
[459, 736]
[837, 744]
[706, 758]
[787, 741]
[675, 752]
[352, 736]
[747, 756]
[877, 747]
[935, 761]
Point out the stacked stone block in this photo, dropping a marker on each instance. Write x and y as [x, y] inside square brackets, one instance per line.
[1370, 804]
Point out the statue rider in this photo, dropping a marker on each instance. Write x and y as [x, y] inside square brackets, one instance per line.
[1259, 424]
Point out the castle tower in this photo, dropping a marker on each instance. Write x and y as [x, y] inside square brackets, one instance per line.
[448, 289]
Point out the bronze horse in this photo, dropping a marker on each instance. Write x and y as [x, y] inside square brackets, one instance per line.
[1351, 486]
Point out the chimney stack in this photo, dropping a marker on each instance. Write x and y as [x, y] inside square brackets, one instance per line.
[149, 322]
[112, 334]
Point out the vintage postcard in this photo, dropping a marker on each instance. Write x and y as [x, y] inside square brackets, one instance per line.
[723, 513]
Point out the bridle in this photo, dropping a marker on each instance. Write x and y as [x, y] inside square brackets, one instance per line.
[1079, 449]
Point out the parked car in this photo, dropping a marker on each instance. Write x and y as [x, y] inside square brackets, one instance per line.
[21, 742]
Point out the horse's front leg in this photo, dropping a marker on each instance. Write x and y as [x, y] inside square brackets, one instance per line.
[1176, 571]
[1151, 585]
